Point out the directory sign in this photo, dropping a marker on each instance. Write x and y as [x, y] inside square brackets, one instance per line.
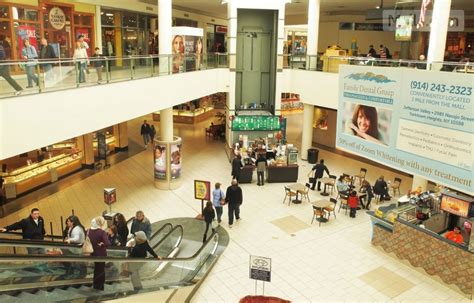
[260, 268]
[241, 123]
[420, 122]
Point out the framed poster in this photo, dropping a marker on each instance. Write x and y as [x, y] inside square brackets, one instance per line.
[159, 156]
[202, 190]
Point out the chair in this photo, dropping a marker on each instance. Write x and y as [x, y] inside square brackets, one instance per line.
[317, 213]
[332, 184]
[289, 194]
[306, 191]
[377, 198]
[344, 204]
[396, 185]
[361, 175]
[331, 208]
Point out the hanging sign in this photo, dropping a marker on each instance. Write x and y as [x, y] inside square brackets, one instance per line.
[57, 18]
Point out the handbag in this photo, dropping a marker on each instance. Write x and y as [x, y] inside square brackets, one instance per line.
[87, 247]
[222, 200]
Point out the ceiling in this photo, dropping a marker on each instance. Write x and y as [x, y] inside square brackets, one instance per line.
[299, 7]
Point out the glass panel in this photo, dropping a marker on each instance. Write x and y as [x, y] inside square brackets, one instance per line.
[4, 12]
[129, 20]
[108, 17]
[142, 21]
[82, 20]
[25, 14]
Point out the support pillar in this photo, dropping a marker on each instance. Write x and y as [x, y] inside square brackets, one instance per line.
[307, 138]
[98, 29]
[438, 32]
[313, 34]
[84, 144]
[121, 136]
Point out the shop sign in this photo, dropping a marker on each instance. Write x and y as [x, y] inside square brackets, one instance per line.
[455, 206]
[57, 18]
[110, 196]
[260, 268]
[202, 190]
[221, 29]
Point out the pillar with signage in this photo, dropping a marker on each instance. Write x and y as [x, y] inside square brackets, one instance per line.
[167, 162]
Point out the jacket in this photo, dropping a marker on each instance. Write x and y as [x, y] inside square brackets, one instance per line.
[209, 214]
[98, 236]
[145, 129]
[144, 226]
[122, 232]
[80, 54]
[353, 201]
[29, 228]
[98, 60]
[233, 195]
[380, 187]
[140, 250]
[319, 170]
[31, 54]
[236, 165]
[261, 164]
[76, 235]
[47, 52]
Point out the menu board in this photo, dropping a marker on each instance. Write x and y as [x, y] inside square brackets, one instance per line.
[256, 123]
[455, 206]
[416, 121]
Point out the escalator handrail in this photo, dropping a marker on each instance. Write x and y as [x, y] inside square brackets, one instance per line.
[72, 258]
[17, 233]
[161, 229]
[178, 242]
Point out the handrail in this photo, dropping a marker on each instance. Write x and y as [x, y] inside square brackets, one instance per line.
[169, 235]
[17, 233]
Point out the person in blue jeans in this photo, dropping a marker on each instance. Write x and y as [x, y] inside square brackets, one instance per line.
[218, 199]
[233, 197]
[29, 53]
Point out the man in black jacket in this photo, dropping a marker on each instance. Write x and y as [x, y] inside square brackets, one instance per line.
[32, 228]
[233, 197]
[47, 54]
[236, 167]
[319, 170]
[145, 131]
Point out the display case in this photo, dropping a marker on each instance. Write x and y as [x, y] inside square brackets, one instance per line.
[189, 116]
[391, 213]
[110, 141]
[49, 170]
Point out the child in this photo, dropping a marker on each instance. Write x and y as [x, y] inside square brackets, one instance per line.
[113, 236]
[98, 64]
[209, 216]
[353, 201]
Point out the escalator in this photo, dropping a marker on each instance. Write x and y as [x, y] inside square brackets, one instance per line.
[49, 278]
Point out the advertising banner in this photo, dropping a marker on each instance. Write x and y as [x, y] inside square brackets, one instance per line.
[160, 161]
[419, 122]
[187, 48]
[175, 161]
[202, 190]
[110, 196]
[26, 31]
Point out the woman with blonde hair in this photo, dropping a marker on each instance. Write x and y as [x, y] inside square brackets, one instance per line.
[100, 242]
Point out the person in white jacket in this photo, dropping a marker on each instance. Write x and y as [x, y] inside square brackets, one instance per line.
[80, 56]
[75, 231]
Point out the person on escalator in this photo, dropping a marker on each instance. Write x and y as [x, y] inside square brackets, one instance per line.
[100, 242]
[139, 250]
[140, 223]
[122, 228]
[32, 228]
[74, 234]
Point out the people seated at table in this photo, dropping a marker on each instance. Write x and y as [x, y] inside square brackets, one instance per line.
[455, 235]
[381, 188]
[342, 187]
[367, 194]
[353, 202]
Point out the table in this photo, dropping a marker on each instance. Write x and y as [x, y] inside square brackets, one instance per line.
[326, 181]
[299, 189]
[403, 200]
[321, 204]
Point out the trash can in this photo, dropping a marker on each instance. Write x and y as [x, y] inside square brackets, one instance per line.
[313, 154]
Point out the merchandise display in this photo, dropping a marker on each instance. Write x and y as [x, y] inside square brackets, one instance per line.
[189, 116]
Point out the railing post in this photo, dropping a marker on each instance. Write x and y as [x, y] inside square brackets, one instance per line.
[107, 71]
[131, 67]
[51, 228]
[62, 226]
[77, 72]
[152, 66]
[38, 70]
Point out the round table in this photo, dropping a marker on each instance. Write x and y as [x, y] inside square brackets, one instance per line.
[326, 180]
[321, 204]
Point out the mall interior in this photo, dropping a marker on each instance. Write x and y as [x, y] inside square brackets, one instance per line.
[347, 126]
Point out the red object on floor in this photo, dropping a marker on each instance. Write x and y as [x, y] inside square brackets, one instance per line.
[262, 299]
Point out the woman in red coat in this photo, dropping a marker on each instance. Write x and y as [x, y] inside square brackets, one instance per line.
[353, 202]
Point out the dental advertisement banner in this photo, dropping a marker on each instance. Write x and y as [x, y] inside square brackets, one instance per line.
[419, 122]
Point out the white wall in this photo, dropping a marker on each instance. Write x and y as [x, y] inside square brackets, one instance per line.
[34, 121]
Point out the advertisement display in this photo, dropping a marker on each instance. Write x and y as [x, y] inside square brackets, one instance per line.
[187, 47]
[419, 122]
[159, 157]
[26, 31]
[175, 161]
[403, 29]
[202, 190]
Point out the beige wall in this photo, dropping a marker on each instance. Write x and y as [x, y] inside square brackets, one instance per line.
[326, 137]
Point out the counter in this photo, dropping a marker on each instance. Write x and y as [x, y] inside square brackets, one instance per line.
[189, 117]
[451, 262]
[288, 173]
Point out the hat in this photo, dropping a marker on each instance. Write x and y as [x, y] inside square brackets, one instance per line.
[97, 222]
[140, 237]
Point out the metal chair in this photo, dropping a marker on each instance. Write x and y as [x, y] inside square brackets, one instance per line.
[396, 185]
[331, 208]
[306, 191]
[289, 194]
[361, 175]
[332, 184]
[317, 213]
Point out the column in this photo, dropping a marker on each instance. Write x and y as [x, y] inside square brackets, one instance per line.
[307, 139]
[84, 144]
[313, 34]
[419, 182]
[98, 28]
[121, 136]
[439, 31]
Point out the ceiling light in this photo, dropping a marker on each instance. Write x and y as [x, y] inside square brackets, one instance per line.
[287, 1]
[380, 6]
[224, 1]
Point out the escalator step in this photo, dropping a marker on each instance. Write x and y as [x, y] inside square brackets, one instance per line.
[8, 299]
[27, 296]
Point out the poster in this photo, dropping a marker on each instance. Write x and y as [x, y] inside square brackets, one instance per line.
[87, 38]
[403, 28]
[419, 122]
[176, 161]
[187, 48]
[110, 196]
[160, 161]
[202, 190]
[26, 31]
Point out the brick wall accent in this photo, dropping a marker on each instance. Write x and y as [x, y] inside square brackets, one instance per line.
[452, 264]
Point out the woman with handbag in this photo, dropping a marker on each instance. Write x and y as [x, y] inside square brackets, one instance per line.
[74, 234]
[99, 240]
[29, 53]
[218, 199]
[209, 216]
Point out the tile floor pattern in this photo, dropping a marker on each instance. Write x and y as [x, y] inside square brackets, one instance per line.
[387, 282]
[314, 264]
[290, 224]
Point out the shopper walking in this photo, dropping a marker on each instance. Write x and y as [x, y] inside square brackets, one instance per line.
[140, 223]
[152, 133]
[236, 167]
[139, 250]
[353, 202]
[261, 165]
[145, 132]
[218, 199]
[47, 54]
[29, 53]
[32, 228]
[319, 170]
[5, 70]
[81, 58]
[100, 242]
[209, 215]
[233, 197]
[122, 228]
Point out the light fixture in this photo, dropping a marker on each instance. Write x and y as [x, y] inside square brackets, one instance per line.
[380, 6]
[224, 1]
[287, 1]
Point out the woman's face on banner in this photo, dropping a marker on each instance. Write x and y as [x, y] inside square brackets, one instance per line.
[178, 45]
[198, 46]
[363, 123]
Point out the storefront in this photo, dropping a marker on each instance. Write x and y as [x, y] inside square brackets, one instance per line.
[59, 23]
[216, 37]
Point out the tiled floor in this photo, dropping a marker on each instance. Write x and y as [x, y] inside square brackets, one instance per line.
[309, 263]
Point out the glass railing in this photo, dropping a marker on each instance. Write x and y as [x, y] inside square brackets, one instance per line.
[69, 276]
[38, 76]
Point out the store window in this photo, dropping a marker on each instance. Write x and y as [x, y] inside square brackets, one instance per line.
[83, 26]
[5, 38]
[25, 14]
[108, 18]
[4, 12]
[83, 20]
[57, 28]
[23, 30]
[129, 19]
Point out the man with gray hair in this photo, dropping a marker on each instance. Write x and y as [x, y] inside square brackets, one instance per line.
[233, 197]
